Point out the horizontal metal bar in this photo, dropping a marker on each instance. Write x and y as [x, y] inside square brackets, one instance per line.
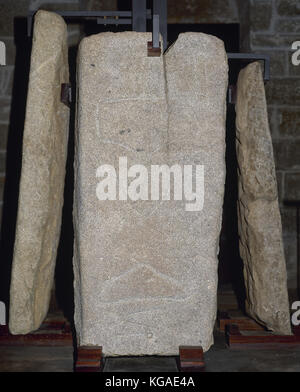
[253, 57]
[139, 15]
[114, 21]
[84, 14]
[89, 14]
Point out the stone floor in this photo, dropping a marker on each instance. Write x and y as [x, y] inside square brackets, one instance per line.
[218, 359]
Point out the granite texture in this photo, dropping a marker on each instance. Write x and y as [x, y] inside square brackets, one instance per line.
[260, 229]
[146, 271]
[42, 179]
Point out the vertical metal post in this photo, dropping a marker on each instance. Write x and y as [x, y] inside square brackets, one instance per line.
[139, 15]
[298, 249]
[160, 8]
[155, 32]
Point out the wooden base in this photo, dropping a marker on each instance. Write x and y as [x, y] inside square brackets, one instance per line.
[191, 359]
[241, 340]
[51, 333]
[89, 359]
[244, 323]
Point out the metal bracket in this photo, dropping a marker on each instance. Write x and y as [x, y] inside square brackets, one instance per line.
[102, 17]
[66, 94]
[253, 57]
[248, 57]
[137, 18]
[154, 49]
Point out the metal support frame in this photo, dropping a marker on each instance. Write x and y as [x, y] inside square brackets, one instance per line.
[139, 15]
[253, 57]
[160, 9]
[154, 49]
[137, 18]
[248, 57]
[102, 17]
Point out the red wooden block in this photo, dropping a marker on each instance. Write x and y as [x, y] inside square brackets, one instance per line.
[191, 359]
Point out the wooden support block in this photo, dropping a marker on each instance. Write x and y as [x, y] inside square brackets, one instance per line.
[52, 333]
[236, 339]
[191, 359]
[89, 359]
[153, 52]
[244, 323]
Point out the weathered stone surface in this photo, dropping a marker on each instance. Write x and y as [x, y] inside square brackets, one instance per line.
[287, 154]
[289, 123]
[260, 15]
[284, 91]
[194, 11]
[288, 7]
[260, 230]
[146, 271]
[8, 11]
[42, 178]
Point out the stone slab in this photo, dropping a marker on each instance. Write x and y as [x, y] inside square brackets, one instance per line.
[260, 230]
[146, 271]
[42, 178]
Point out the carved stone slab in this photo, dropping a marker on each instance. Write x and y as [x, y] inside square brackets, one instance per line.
[42, 179]
[260, 229]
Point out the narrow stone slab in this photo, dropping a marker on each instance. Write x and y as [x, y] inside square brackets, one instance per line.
[260, 229]
[42, 178]
[146, 270]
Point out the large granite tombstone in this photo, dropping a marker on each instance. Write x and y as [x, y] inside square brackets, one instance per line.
[260, 230]
[146, 270]
[42, 178]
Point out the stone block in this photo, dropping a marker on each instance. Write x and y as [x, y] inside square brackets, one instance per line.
[146, 270]
[288, 26]
[193, 11]
[271, 41]
[9, 10]
[283, 91]
[42, 178]
[292, 186]
[287, 154]
[288, 7]
[289, 123]
[260, 229]
[261, 15]
[290, 250]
